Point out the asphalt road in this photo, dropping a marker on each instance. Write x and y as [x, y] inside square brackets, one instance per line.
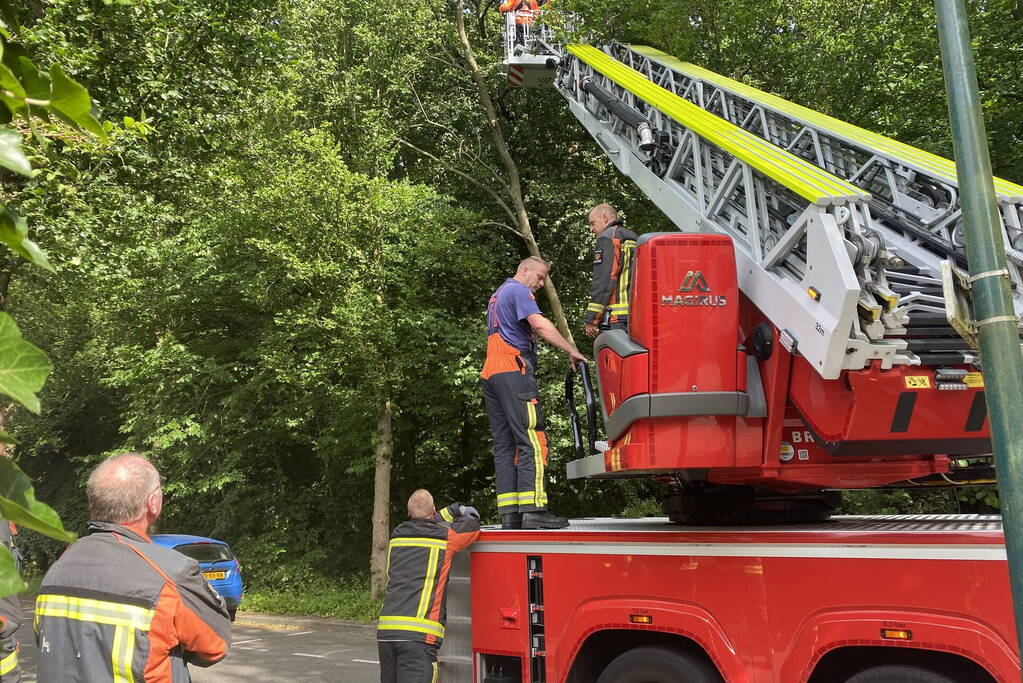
[272, 648]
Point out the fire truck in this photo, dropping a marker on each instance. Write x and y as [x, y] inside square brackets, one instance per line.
[808, 329]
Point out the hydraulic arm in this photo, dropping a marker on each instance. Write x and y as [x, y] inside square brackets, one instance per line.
[841, 350]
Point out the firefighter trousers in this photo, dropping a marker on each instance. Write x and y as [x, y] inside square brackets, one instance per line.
[520, 444]
[407, 661]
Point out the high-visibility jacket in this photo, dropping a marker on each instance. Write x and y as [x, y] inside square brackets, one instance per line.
[523, 8]
[117, 608]
[418, 561]
[10, 620]
[612, 272]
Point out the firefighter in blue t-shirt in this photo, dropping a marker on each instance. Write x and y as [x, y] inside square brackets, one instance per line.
[513, 400]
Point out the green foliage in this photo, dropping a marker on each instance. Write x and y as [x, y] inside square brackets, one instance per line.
[343, 599]
[898, 502]
[23, 367]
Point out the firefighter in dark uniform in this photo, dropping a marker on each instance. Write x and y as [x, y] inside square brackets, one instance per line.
[10, 618]
[608, 308]
[419, 556]
[513, 399]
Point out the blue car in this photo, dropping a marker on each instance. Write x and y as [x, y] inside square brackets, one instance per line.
[218, 564]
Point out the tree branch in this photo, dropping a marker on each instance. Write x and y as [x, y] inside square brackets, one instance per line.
[521, 217]
[496, 197]
[502, 225]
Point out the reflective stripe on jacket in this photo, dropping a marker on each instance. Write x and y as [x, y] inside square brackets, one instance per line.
[612, 272]
[117, 608]
[418, 560]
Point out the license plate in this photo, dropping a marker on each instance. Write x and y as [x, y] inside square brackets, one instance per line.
[214, 576]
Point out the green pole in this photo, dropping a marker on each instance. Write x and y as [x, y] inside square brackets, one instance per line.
[992, 302]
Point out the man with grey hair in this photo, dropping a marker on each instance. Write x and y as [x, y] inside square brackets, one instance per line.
[115, 606]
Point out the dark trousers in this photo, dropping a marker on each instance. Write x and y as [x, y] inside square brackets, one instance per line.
[407, 661]
[520, 444]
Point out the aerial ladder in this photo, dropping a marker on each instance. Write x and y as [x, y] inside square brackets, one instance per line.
[809, 328]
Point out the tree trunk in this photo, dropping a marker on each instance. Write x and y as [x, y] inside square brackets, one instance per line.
[510, 167]
[381, 493]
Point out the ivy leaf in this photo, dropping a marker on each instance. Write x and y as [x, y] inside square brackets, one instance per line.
[11, 156]
[8, 81]
[10, 581]
[36, 82]
[14, 233]
[18, 504]
[70, 101]
[23, 370]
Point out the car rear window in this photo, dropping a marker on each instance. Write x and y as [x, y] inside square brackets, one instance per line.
[206, 552]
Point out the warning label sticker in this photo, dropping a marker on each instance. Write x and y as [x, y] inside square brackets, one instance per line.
[917, 381]
[974, 379]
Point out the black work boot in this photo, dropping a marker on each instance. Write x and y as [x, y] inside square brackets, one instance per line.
[541, 519]
[511, 520]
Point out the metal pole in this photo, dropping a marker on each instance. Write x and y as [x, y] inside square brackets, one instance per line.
[992, 303]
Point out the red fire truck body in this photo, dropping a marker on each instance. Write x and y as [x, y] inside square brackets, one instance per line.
[783, 604]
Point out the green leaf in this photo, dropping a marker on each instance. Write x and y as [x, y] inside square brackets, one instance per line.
[5, 437]
[10, 581]
[18, 504]
[36, 82]
[70, 101]
[14, 233]
[8, 81]
[23, 367]
[11, 156]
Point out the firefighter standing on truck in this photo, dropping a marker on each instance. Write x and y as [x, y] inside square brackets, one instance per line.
[117, 607]
[608, 308]
[419, 555]
[513, 399]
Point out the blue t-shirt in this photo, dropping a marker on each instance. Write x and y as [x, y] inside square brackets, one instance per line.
[512, 303]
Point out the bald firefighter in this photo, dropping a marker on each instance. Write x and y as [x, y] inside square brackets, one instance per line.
[513, 399]
[419, 555]
[608, 307]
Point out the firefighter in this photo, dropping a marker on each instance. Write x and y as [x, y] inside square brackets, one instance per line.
[419, 556]
[10, 617]
[513, 400]
[521, 7]
[608, 307]
[115, 606]
[525, 12]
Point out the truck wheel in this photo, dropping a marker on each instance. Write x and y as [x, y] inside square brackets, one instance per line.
[650, 664]
[900, 673]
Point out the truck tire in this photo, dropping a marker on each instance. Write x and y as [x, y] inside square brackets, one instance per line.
[651, 664]
[900, 673]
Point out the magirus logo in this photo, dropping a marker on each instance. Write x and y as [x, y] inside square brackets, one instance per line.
[694, 281]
